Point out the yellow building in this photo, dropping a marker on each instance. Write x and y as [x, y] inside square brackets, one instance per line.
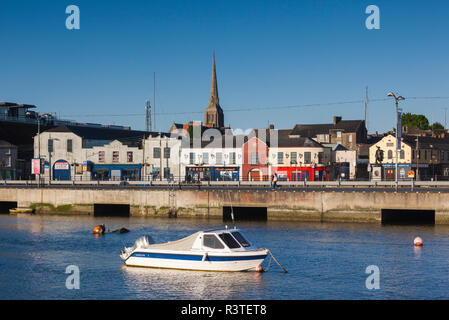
[429, 154]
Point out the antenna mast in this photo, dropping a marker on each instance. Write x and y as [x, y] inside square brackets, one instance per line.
[366, 109]
[154, 99]
[148, 116]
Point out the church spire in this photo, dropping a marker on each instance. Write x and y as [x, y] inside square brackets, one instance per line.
[214, 87]
[214, 114]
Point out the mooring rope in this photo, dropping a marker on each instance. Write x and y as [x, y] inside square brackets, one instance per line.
[271, 256]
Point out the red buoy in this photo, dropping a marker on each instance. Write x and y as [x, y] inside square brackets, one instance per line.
[100, 229]
[259, 268]
[418, 242]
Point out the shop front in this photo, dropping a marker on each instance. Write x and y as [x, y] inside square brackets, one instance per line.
[300, 173]
[197, 174]
[61, 170]
[389, 171]
[212, 173]
[106, 172]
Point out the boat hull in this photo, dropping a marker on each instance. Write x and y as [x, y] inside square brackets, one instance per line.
[197, 261]
[21, 211]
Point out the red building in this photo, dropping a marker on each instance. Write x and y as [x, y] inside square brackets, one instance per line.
[255, 166]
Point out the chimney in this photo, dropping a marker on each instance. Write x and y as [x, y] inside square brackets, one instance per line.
[337, 119]
[271, 126]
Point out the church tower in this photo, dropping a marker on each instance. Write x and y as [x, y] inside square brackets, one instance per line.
[213, 116]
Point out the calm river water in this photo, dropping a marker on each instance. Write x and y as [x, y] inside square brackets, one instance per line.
[324, 260]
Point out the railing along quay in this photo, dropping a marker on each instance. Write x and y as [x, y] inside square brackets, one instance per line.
[235, 184]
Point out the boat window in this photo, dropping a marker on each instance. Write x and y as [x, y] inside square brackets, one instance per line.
[240, 239]
[211, 241]
[229, 240]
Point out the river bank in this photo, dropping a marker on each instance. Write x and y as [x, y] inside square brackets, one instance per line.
[319, 206]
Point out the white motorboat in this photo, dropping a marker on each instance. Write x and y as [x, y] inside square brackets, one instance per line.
[214, 250]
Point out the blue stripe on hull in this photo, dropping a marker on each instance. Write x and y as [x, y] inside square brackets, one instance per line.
[194, 257]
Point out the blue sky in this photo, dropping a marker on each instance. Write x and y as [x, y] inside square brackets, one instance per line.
[269, 54]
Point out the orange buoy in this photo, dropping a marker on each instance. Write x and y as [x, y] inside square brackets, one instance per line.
[98, 229]
[259, 268]
[418, 242]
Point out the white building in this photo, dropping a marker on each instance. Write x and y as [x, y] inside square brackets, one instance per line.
[219, 160]
[87, 153]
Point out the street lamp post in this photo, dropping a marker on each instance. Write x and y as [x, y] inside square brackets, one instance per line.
[397, 99]
[417, 159]
[38, 118]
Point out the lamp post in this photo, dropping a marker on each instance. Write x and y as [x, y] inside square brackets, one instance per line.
[417, 159]
[397, 99]
[38, 118]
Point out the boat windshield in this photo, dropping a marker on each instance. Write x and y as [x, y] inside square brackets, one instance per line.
[229, 240]
[241, 239]
[211, 241]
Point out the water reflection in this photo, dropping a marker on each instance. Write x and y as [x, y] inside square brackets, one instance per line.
[417, 251]
[151, 283]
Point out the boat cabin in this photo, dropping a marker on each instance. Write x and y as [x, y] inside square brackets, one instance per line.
[222, 240]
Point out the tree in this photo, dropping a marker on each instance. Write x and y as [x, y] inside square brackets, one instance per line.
[415, 121]
[437, 126]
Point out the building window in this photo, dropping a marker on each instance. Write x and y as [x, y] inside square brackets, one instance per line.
[115, 156]
[69, 145]
[425, 154]
[254, 158]
[101, 156]
[156, 153]
[280, 157]
[339, 134]
[308, 157]
[129, 156]
[205, 158]
[402, 154]
[232, 158]
[390, 154]
[413, 154]
[167, 153]
[219, 158]
[350, 138]
[320, 157]
[192, 158]
[50, 145]
[293, 158]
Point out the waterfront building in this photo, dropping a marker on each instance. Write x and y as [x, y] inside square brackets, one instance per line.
[84, 153]
[218, 159]
[295, 158]
[255, 166]
[161, 153]
[427, 157]
[346, 162]
[77, 153]
[348, 133]
[8, 161]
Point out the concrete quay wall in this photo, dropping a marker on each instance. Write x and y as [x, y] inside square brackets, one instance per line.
[363, 206]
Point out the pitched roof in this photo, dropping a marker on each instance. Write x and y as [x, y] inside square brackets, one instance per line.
[284, 138]
[427, 142]
[103, 133]
[311, 130]
[224, 141]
